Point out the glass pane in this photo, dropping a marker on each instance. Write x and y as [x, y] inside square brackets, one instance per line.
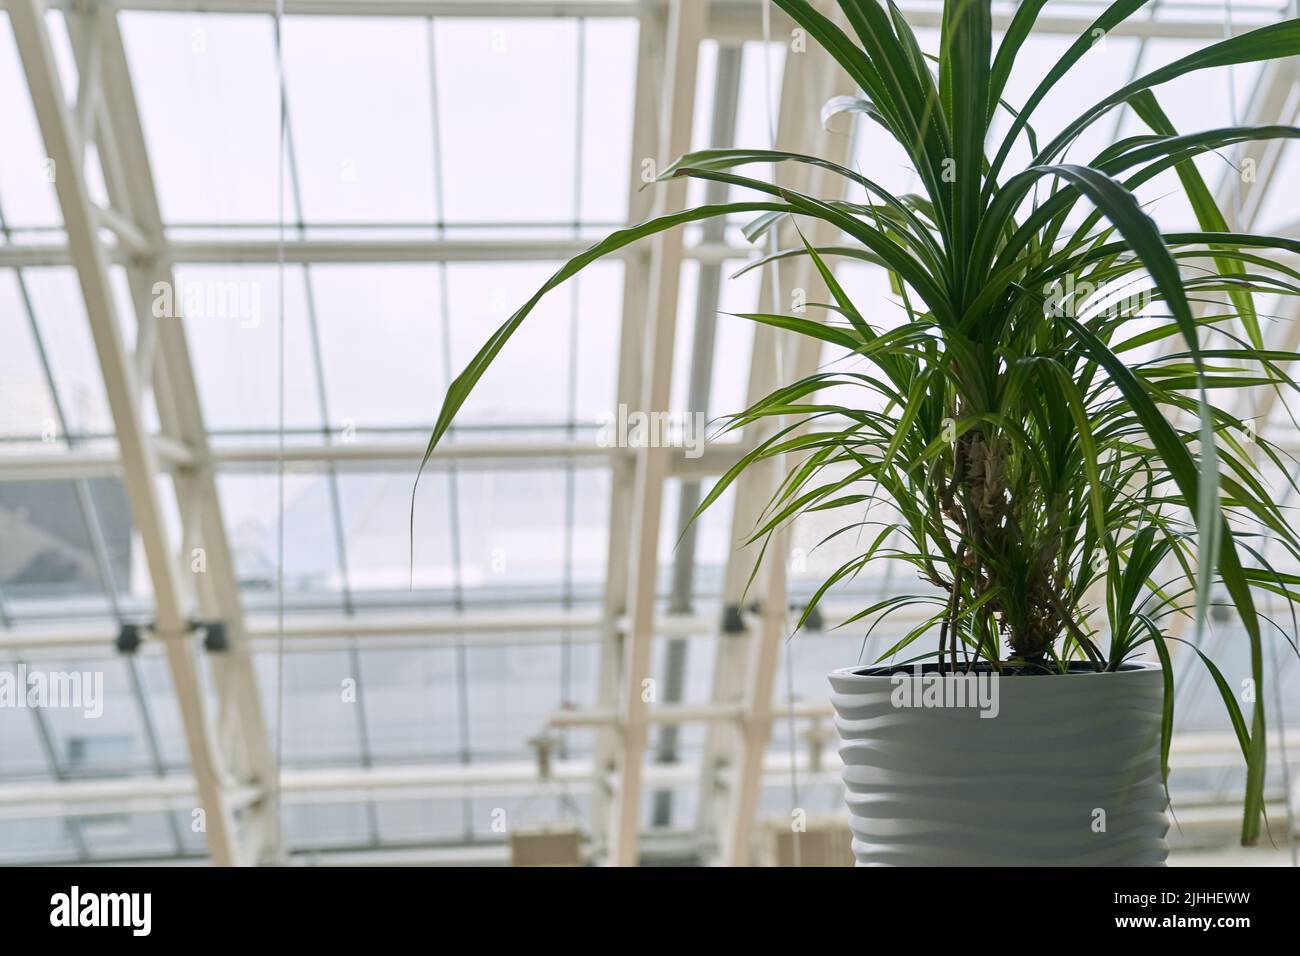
[129, 835]
[314, 825]
[564, 803]
[513, 543]
[359, 103]
[599, 295]
[734, 341]
[507, 98]
[321, 691]
[714, 543]
[402, 821]
[47, 564]
[164, 716]
[232, 320]
[761, 70]
[589, 543]
[610, 48]
[27, 411]
[1278, 212]
[529, 382]
[377, 531]
[123, 549]
[249, 502]
[26, 178]
[61, 319]
[94, 718]
[381, 344]
[1107, 66]
[40, 840]
[209, 102]
[512, 690]
[412, 703]
[22, 757]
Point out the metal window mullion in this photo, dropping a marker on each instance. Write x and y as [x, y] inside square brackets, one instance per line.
[466, 744]
[72, 824]
[155, 748]
[1123, 112]
[452, 476]
[313, 329]
[6, 619]
[124, 154]
[100, 549]
[686, 28]
[651, 36]
[745, 665]
[331, 471]
[31, 33]
[85, 504]
[726, 101]
[575, 306]
[88, 51]
[444, 305]
[95, 533]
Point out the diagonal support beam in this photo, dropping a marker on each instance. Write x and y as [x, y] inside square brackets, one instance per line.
[139, 465]
[747, 663]
[726, 100]
[1275, 100]
[686, 23]
[636, 277]
[1241, 192]
[1244, 190]
[243, 734]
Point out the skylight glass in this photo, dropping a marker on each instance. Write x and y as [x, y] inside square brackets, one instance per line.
[443, 133]
[360, 106]
[208, 101]
[231, 318]
[28, 411]
[381, 317]
[61, 319]
[507, 119]
[26, 187]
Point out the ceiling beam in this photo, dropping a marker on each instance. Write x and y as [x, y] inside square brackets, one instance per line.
[224, 251]
[811, 79]
[361, 456]
[686, 19]
[140, 470]
[729, 20]
[416, 628]
[1275, 100]
[647, 96]
[164, 362]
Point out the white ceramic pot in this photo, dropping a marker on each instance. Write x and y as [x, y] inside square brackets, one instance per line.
[1049, 770]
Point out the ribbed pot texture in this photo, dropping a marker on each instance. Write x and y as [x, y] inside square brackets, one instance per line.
[1064, 770]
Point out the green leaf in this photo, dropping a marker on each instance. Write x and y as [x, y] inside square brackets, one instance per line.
[1207, 210]
[965, 45]
[1266, 43]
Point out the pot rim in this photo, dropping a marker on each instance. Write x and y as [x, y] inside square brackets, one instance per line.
[1131, 668]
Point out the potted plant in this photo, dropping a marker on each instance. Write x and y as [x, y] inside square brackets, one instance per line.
[1037, 440]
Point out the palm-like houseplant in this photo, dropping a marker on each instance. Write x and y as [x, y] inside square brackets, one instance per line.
[1046, 456]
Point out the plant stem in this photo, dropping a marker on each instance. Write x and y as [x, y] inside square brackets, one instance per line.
[1077, 632]
[949, 618]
